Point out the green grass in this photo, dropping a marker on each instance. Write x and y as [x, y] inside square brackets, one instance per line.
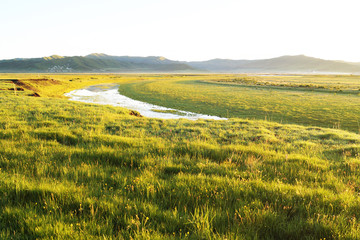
[170, 111]
[79, 171]
[227, 96]
[326, 83]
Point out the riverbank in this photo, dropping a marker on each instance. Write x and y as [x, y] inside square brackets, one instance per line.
[108, 94]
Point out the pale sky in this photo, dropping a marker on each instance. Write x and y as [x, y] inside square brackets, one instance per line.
[181, 29]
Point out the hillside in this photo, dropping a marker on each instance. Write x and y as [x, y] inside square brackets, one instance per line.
[93, 63]
[98, 63]
[284, 64]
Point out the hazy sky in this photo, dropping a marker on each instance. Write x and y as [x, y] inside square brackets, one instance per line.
[181, 29]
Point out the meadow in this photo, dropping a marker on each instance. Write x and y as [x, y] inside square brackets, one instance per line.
[326, 101]
[72, 170]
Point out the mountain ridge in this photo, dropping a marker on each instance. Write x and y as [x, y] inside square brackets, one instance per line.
[93, 63]
[282, 64]
[100, 62]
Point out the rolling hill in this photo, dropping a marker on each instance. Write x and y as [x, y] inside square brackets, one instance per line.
[283, 64]
[97, 63]
[93, 63]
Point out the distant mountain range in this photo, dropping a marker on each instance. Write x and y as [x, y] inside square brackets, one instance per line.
[284, 64]
[97, 63]
[93, 63]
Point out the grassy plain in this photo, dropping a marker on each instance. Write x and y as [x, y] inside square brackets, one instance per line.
[326, 101]
[71, 170]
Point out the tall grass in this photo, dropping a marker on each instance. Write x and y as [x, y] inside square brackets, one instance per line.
[79, 171]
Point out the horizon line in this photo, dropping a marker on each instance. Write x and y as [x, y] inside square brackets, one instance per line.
[161, 56]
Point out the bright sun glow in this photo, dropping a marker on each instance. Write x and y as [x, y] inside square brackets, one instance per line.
[181, 30]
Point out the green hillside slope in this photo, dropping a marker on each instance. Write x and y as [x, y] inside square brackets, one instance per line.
[91, 63]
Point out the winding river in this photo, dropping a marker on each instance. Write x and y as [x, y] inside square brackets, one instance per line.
[108, 94]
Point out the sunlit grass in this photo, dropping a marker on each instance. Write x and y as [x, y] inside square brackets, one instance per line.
[81, 171]
[228, 97]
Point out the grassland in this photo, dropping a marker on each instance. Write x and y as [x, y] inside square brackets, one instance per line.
[326, 101]
[79, 171]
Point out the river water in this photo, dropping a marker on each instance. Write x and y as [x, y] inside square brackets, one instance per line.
[108, 94]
